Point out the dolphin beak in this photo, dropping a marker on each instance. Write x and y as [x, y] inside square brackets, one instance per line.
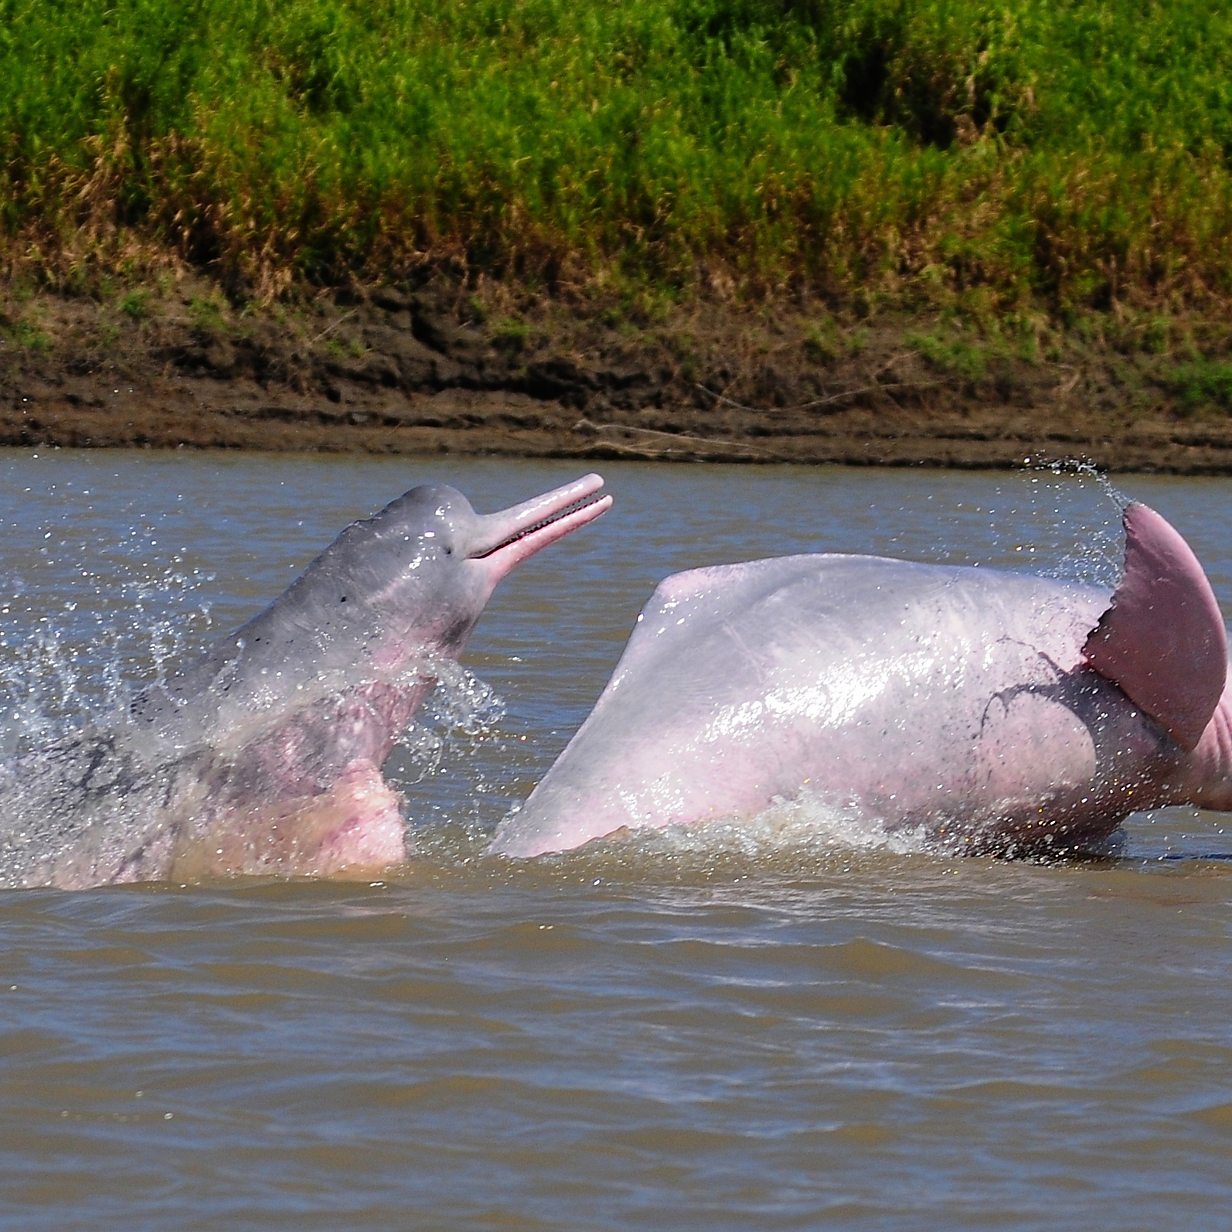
[508, 538]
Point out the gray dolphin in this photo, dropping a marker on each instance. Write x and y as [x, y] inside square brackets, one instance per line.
[265, 754]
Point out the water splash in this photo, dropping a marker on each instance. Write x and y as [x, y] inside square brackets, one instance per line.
[460, 712]
[78, 636]
[1097, 556]
[808, 824]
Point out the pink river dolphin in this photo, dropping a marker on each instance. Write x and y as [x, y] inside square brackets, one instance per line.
[265, 754]
[988, 711]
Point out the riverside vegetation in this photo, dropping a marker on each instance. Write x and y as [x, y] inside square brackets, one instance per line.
[989, 200]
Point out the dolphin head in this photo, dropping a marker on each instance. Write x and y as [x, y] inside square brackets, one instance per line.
[419, 573]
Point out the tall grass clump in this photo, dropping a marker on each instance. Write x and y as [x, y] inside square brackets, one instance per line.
[1071, 156]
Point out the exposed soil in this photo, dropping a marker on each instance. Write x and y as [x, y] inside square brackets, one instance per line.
[390, 370]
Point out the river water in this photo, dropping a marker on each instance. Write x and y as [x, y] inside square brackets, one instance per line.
[720, 1030]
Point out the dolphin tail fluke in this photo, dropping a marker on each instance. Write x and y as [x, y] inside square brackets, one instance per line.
[1162, 638]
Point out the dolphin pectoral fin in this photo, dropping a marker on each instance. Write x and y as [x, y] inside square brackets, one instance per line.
[352, 830]
[1162, 638]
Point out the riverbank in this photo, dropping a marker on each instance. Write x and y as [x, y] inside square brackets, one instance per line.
[947, 233]
[445, 369]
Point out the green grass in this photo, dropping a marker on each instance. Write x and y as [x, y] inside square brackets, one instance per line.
[24, 334]
[1202, 386]
[135, 304]
[209, 314]
[1067, 157]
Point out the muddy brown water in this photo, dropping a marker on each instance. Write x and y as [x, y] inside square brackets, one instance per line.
[735, 1029]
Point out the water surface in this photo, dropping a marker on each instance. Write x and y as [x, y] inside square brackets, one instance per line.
[723, 1032]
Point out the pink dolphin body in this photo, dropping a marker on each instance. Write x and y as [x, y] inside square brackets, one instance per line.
[994, 711]
[265, 754]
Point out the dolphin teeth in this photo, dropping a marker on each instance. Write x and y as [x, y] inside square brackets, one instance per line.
[583, 502]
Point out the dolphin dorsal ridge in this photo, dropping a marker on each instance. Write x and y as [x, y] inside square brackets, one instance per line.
[1162, 638]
